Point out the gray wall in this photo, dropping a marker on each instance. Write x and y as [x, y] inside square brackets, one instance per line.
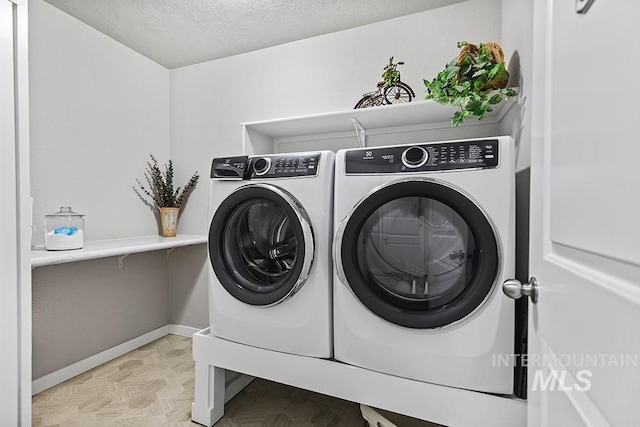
[189, 291]
[86, 308]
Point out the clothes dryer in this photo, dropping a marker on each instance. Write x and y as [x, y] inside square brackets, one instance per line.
[269, 250]
[424, 237]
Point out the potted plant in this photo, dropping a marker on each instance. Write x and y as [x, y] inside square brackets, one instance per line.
[163, 196]
[474, 81]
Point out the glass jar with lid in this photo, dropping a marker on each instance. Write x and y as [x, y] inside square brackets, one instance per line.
[63, 230]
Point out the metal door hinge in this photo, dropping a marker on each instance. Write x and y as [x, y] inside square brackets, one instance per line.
[582, 6]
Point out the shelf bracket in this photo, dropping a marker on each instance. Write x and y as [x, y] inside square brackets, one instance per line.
[169, 251]
[361, 132]
[120, 259]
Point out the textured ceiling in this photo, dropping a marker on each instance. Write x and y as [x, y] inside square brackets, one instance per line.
[175, 33]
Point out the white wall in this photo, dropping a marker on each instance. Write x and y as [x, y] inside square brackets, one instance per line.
[517, 37]
[98, 109]
[315, 75]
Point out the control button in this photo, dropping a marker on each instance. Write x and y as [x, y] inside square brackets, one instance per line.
[261, 166]
[414, 157]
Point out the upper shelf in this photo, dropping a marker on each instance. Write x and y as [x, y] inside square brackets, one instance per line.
[116, 247]
[417, 113]
[407, 123]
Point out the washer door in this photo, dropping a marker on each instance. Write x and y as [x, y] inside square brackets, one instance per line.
[261, 244]
[418, 253]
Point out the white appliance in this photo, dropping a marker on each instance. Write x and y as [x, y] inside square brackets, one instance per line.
[269, 250]
[424, 238]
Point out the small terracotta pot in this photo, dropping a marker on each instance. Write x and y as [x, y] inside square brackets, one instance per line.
[169, 221]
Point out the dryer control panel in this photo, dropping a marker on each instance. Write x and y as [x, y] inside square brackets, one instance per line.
[283, 165]
[476, 154]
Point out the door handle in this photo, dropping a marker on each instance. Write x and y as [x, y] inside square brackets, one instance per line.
[337, 256]
[513, 288]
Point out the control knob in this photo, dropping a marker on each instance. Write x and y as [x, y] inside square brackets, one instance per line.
[414, 157]
[261, 165]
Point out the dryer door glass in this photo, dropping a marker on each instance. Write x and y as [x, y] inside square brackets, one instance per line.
[419, 254]
[417, 250]
[259, 245]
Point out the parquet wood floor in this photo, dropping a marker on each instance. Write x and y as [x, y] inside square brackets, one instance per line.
[153, 386]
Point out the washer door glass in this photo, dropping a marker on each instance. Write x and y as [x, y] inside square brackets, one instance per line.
[419, 254]
[259, 245]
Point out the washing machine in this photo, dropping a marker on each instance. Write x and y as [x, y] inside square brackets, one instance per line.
[270, 251]
[424, 237]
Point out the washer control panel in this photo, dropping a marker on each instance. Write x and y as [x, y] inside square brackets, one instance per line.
[283, 165]
[229, 167]
[428, 157]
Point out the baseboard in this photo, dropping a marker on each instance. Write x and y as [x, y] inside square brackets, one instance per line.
[68, 372]
[183, 331]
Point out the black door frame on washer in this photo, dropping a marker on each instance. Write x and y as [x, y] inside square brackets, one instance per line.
[413, 313]
[223, 251]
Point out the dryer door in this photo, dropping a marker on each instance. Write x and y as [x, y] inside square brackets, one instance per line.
[418, 253]
[261, 244]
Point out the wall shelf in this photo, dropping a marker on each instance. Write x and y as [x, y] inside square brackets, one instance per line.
[336, 129]
[116, 247]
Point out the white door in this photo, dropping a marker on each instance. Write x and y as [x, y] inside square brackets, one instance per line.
[9, 268]
[584, 360]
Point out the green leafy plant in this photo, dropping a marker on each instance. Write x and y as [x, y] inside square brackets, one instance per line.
[391, 75]
[474, 81]
[160, 185]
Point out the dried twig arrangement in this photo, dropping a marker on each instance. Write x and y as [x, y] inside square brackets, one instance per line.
[160, 185]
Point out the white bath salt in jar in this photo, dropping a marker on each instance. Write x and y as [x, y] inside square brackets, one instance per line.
[63, 230]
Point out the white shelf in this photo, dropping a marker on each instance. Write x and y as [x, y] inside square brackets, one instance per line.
[109, 248]
[266, 135]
